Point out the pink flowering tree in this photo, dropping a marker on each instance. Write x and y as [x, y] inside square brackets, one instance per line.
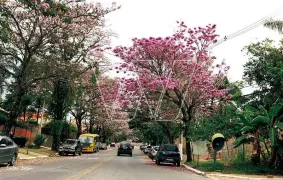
[47, 40]
[178, 69]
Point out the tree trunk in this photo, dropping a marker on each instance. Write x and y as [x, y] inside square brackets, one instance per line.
[25, 112]
[256, 149]
[37, 115]
[56, 142]
[79, 126]
[188, 143]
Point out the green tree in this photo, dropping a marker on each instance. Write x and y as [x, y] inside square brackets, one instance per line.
[269, 123]
[59, 106]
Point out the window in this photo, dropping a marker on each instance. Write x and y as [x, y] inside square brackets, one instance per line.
[3, 141]
[69, 141]
[86, 139]
[9, 142]
[171, 148]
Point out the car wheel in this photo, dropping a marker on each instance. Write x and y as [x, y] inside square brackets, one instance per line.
[60, 153]
[178, 164]
[131, 154]
[118, 154]
[13, 160]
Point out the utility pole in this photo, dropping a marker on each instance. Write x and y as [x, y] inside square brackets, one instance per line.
[181, 145]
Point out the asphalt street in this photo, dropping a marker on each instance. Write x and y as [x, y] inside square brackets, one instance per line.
[104, 165]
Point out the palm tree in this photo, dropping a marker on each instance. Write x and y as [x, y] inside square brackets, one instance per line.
[276, 25]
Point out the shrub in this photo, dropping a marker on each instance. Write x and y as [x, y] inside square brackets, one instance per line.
[20, 140]
[30, 146]
[39, 140]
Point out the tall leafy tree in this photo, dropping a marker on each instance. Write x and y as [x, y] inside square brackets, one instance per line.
[41, 45]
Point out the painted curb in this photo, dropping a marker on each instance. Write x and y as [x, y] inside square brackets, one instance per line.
[227, 175]
[195, 170]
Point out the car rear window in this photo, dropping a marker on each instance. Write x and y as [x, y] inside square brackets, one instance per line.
[171, 148]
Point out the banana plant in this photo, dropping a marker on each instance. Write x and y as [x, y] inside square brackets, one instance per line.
[270, 121]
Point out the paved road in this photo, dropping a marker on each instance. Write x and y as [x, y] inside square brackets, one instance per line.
[105, 165]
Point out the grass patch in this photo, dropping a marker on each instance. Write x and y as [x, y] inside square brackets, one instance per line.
[37, 152]
[234, 168]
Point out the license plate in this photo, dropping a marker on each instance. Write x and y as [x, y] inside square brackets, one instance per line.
[169, 159]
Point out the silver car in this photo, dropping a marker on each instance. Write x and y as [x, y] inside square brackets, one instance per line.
[8, 150]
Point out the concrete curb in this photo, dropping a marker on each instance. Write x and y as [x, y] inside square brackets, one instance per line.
[44, 156]
[265, 178]
[27, 158]
[241, 177]
[195, 170]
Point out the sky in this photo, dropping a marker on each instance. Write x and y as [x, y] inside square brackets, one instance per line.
[145, 18]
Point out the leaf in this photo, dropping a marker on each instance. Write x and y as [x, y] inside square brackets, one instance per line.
[272, 136]
[280, 118]
[246, 129]
[240, 140]
[276, 109]
[279, 125]
[261, 108]
[260, 120]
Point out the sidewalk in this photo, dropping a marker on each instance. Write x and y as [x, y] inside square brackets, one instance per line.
[26, 154]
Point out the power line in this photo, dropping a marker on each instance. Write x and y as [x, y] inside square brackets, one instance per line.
[248, 28]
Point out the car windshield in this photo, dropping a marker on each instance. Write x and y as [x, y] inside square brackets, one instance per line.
[69, 141]
[103, 144]
[2, 140]
[86, 139]
[171, 148]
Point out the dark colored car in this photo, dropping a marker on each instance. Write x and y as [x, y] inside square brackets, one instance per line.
[8, 150]
[103, 146]
[125, 148]
[112, 144]
[70, 146]
[168, 154]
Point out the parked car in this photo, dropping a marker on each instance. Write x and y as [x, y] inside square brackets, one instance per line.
[8, 150]
[113, 144]
[103, 146]
[153, 151]
[146, 149]
[98, 145]
[143, 146]
[70, 146]
[125, 148]
[168, 154]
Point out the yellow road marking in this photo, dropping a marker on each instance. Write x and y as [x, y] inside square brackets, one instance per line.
[88, 170]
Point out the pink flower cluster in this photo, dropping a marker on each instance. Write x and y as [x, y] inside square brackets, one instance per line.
[178, 62]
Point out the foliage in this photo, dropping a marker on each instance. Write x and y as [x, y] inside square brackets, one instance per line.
[234, 168]
[264, 69]
[20, 140]
[221, 121]
[47, 49]
[39, 140]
